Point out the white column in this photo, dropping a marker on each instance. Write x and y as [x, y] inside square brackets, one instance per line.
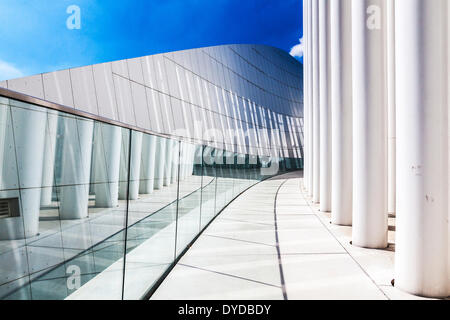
[325, 110]
[341, 111]
[305, 96]
[123, 167]
[218, 158]
[175, 161]
[76, 168]
[29, 137]
[108, 141]
[28, 144]
[48, 179]
[135, 165]
[390, 58]
[186, 161]
[316, 104]
[191, 160]
[148, 164]
[160, 162]
[369, 124]
[448, 138]
[183, 168]
[4, 111]
[311, 100]
[10, 228]
[188, 171]
[168, 164]
[421, 263]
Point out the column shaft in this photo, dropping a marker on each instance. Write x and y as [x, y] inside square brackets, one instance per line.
[27, 139]
[325, 111]
[421, 262]
[175, 161]
[191, 160]
[135, 165]
[76, 168]
[369, 124]
[124, 169]
[108, 140]
[48, 179]
[168, 164]
[448, 138]
[305, 95]
[160, 162]
[341, 111]
[390, 11]
[311, 99]
[148, 164]
[316, 104]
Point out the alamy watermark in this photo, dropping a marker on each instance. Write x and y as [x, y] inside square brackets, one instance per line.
[74, 278]
[74, 20]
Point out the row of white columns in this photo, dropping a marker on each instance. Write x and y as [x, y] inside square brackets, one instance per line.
[32, 136]
[376, 76]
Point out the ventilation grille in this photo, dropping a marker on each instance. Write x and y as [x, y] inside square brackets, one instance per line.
[9, 208]
[4, 208]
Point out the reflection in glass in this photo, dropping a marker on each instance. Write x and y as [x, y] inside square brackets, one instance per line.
[90, 210]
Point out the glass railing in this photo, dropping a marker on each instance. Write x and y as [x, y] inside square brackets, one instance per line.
[92, 210]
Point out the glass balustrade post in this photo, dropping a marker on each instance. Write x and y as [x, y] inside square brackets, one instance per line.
[137, 136]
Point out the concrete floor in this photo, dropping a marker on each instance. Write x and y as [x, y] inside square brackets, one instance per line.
[272, 243]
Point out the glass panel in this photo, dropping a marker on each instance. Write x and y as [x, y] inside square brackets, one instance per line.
[152, 212]
[89, 210]
[58, 242]
[209, 185]
[224, 182]
[190, 196]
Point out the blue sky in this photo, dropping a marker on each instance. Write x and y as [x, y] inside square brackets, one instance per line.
[35, 39]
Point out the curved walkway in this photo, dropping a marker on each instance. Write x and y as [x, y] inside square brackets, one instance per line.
[271, 243]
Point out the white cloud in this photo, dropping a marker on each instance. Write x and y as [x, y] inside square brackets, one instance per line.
[297, 50]
[8, 71]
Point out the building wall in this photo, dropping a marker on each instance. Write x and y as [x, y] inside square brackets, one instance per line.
[81, 194]
[241, 98]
